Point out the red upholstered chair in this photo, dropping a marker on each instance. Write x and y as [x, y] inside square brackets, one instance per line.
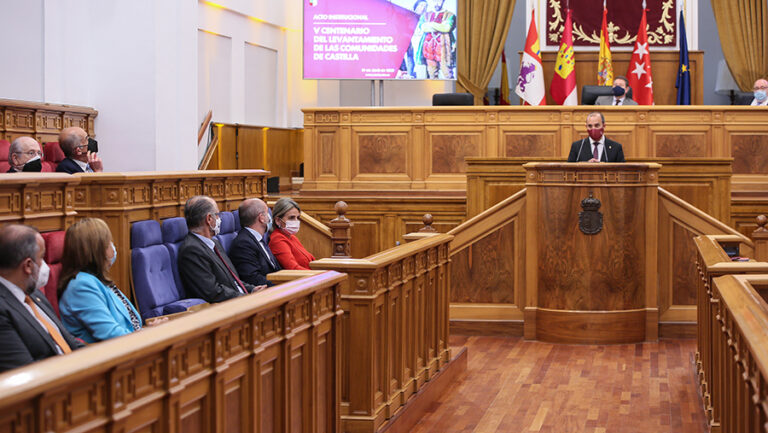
[4, 146]
[52, 156]
[54, 248]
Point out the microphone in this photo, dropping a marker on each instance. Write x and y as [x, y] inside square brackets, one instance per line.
[580, 147]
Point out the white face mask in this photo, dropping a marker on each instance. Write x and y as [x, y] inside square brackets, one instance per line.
[217, 228]
[114, 254]
[42, 278]
[292, 227]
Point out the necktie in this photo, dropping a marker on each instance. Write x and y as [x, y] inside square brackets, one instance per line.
[266, 251]
[240, 284]
[135, 322]
[616, 102]
[55, 334]
[594, 153]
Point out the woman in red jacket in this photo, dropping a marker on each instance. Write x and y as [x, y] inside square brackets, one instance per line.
[283, 241]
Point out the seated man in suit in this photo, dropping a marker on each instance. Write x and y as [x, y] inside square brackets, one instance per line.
[29, 328]
[80, 151]
[204, 267]
[250, 254]
[596, 148]
[760, 90]
[25, 154]
[620, 89]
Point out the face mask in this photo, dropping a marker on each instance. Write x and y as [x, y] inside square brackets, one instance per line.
[43, 271]
[760, 95]
[217, 227]
[114, 254]
[93, 145]
[269, 222]
[596, 134]
[33, 165]
[618, 91]
[292, 227]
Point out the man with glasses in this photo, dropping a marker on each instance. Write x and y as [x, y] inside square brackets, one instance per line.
[760, 90]
[80, 151]
[25, 155]
[204, 267]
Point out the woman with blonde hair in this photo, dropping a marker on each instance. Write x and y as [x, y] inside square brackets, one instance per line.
[283, 241]
[92, 307]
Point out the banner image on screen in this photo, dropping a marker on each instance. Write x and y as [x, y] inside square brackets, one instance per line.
[380, 39]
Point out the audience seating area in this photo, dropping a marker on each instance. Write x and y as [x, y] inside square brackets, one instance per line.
[52, 156]
[54, 249]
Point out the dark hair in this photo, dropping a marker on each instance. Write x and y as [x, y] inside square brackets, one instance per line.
[595, 113]
[69, 142]
[249, 210]
[196, 209]
[17, 243]
[621, 77]
[85, 250]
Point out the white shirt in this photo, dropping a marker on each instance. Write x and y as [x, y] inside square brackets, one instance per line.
[20, 296]
[258, 237]
[206, 241]
[621, 101]
[764, 103]
[600, 147]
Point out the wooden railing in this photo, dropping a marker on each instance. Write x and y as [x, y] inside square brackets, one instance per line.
[268, 362]
[395, 327]
[712, 262]
[740, 352]
[42, 121]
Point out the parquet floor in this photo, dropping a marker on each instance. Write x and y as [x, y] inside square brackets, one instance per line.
[513, 385]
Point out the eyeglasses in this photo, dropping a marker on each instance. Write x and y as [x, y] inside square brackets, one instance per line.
[756, 88]
[31, 153]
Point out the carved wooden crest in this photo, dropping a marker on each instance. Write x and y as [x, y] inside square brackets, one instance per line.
[590, 219]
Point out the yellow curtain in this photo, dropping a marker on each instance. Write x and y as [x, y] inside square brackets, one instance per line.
[482, 29]
[743, 28]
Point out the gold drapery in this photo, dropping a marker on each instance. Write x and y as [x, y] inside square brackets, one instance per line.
[483, 26]
[743, 29]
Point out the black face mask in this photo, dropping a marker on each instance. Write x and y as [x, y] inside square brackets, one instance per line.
[93, 145]
[618, 91]
[33, 166]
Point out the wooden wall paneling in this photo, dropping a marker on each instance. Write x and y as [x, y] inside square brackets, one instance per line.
[380, 157]
[45, 202]
[221, 369]
[251, 146]
[664, 63]
[394, 308]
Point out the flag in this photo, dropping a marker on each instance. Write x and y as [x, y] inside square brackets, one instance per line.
[604, 66]
[563, 86]
[684, 70]
[530, 82]
[504, 99]
[639, 72]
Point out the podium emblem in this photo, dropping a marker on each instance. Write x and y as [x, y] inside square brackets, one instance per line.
[590, 219]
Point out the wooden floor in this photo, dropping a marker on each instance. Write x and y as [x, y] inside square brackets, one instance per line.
[513, 385]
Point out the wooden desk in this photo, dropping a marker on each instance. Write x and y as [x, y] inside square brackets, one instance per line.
[591, 288]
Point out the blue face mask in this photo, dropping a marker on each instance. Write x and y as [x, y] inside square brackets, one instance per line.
[760, 95]
[269, 222]
[618, 91]
[114, 254]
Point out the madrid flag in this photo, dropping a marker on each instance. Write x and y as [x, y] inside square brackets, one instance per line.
[530, 82]
[639, 72]
[604, 65]
[563, 86]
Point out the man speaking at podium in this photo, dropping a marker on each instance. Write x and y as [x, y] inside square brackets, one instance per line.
[596, 148]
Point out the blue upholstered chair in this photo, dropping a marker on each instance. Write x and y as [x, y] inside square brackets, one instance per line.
[174, 230]
[236, 215]
[153, 280]
[227, 233]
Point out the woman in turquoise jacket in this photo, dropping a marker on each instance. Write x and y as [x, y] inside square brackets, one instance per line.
[92, 307]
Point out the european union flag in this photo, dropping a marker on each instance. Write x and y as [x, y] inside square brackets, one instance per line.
[683, 72]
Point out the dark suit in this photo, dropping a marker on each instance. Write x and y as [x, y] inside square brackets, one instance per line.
[204, 275]
[251, 261]
[68, 165]
[612, 151]
[24, 341]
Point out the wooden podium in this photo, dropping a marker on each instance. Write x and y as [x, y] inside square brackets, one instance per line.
[590, 255]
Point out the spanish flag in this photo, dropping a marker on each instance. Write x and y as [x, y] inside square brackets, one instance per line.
[604, 66]
[563, 86]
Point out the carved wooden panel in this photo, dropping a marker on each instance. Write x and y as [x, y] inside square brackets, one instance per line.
[604, 271]
[680, 145]
[530, 144]
[42, 121]
[382, 153]
[484, 272]
[327, 156]
[685, 275]
[449, 151]
[750, 154]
